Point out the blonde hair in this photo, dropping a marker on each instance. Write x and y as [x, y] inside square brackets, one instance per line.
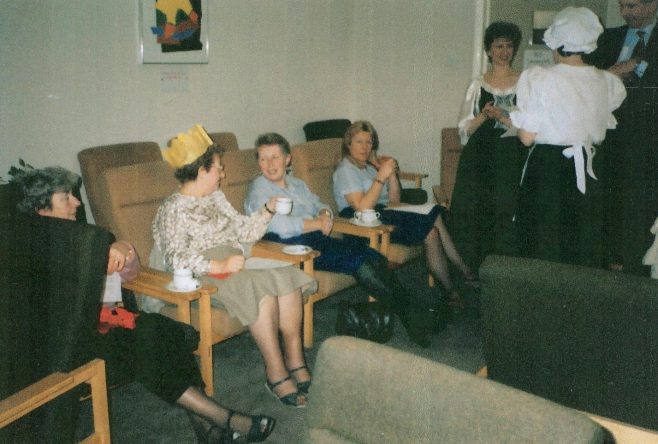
[353, 130]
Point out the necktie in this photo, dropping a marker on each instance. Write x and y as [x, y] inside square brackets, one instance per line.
[640, 48]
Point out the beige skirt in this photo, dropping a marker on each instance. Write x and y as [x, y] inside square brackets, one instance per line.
[241, 293]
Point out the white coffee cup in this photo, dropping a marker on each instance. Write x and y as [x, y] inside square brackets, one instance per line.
[283, 205]
[367, 216]
[184, 281]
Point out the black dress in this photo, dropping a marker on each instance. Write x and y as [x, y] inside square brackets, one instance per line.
[484, 199]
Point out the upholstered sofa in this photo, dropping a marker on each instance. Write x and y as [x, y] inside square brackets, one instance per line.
[369, 393]
[585, 338]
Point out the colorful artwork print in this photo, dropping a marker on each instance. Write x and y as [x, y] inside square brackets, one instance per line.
[178, 25]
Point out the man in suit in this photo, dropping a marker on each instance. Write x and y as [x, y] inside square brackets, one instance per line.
[631, 51]
[629, 155]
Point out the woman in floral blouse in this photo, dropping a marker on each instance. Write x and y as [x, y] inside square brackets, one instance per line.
[197, 228]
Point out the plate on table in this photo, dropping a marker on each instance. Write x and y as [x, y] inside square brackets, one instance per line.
[170, 287]
[374, 223]
[297, 250]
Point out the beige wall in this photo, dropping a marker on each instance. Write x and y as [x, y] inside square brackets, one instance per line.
[70, 76]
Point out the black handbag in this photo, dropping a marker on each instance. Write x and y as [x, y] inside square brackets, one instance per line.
[365, 320]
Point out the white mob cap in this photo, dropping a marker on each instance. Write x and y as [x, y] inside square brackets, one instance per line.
[575, 29]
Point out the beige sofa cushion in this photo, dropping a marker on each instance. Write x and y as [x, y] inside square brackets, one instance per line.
[370, 393]
[135, 193]
[93, 161]
[240, 167]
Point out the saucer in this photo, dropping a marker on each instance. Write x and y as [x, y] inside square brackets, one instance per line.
[374, 223]
[170, 287]
[297, 250]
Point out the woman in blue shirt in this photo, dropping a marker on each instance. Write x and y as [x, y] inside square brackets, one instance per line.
[311, 222]
[362, 180]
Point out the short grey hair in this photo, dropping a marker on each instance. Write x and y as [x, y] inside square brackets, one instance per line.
[39, 185]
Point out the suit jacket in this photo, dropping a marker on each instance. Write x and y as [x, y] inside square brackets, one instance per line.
[609, 46]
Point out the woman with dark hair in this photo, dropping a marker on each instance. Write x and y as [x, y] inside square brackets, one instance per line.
[484, 198]
[197, 228]
[362, 180]
[563, 112]
[151, 351]
[310, 223]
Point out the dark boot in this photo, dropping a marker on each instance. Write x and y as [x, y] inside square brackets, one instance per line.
[382, 284]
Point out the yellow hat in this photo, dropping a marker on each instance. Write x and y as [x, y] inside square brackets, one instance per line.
[187, 147]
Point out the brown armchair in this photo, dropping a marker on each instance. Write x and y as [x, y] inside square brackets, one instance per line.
[314, 162]
[135, 192]
[451, 150]
[228, 141]
[93, 161]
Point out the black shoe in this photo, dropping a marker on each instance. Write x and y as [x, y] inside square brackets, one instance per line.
[294, 399]
[261, 428]
[302, 386]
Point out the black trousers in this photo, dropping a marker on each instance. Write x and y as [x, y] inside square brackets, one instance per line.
[157, 353]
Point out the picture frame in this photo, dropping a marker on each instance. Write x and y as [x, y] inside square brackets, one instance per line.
[183, 41]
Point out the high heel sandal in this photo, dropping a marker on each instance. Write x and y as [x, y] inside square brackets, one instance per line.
[302, 386]
[291, 399]
[261, 427]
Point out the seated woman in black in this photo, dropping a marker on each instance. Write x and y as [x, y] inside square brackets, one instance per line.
[151, 352]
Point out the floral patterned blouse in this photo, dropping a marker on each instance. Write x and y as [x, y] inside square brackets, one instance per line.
[185, 226]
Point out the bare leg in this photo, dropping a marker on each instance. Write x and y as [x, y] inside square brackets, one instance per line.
[265, 332]
[290, 325]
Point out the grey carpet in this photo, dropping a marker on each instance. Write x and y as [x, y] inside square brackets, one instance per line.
[137, 416]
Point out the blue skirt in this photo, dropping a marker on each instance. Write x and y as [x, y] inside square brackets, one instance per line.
[410, 228]
[338, 255]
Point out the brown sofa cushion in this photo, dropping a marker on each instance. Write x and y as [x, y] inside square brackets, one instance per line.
[134, 193]
[93, 161]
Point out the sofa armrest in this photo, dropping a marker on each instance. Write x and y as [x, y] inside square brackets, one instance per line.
[379, 238]
[417, 178]
[274, 250]
[441, 196]
[151, 282]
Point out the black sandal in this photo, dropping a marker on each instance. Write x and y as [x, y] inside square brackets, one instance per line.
[302, 386]
[291, 399]
[261, 428]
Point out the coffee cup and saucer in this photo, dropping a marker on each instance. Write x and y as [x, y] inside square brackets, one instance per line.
[366, 218]
[183, 281]
[283, 205]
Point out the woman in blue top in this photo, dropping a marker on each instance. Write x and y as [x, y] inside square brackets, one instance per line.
[363, 181]
[311, 222]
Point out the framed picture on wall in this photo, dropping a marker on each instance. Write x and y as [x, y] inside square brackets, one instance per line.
[173, 31]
